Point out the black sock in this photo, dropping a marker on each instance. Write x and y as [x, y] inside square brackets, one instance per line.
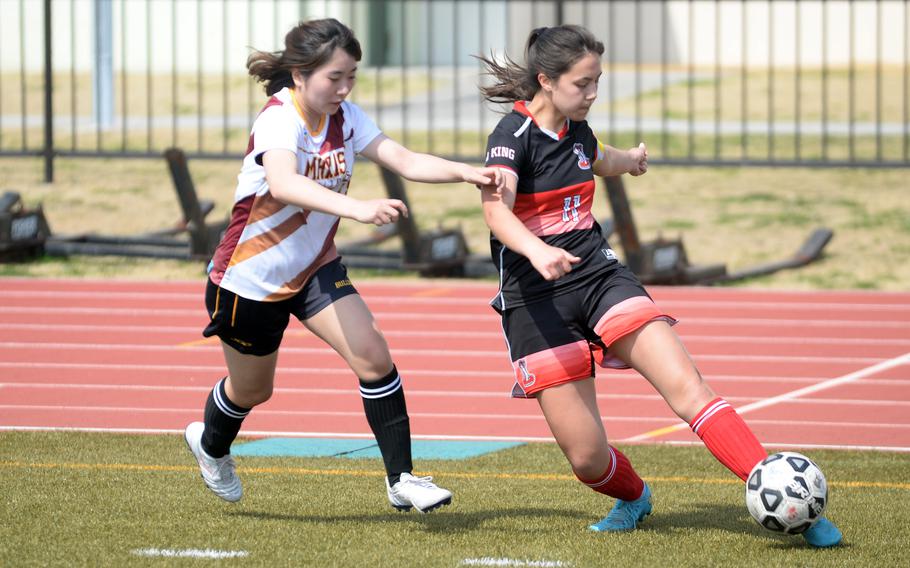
[383, 403]
[222, 422]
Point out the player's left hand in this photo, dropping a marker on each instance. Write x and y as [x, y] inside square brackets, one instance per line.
[489, 178]
[639, 160]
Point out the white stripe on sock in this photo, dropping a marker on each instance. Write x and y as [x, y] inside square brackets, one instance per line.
[609, 476]
[717, 406]
[381, 391]
[222, 405]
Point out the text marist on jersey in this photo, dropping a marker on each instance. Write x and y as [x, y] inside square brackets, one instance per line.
[328, 169]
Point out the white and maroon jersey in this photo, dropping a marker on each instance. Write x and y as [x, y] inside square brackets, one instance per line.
[554, 197]
[270, 249]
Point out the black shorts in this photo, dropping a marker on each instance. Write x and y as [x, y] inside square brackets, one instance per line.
[256, 328]
[558, 340]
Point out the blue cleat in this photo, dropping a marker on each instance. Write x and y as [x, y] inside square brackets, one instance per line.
[823, 534]
[626, 515]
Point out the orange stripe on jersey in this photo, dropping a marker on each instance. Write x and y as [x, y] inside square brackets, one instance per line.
[626, 317]
[326, 255]
[554, 366]
[264, 206]
[255, 245]
[556, 211]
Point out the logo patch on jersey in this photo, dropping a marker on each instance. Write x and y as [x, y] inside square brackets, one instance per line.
[325, 166]
[501, 152]
[609, 254]
[583, 161]
[343, 283]
[527, 378]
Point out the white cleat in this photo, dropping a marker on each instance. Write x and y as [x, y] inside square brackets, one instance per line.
[418, 492]
[219, 474]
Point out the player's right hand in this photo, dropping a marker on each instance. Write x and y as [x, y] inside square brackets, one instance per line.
[380, 211]
[552, 262]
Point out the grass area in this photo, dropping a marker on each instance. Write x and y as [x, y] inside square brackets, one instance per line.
[736, 216]
[92, 499]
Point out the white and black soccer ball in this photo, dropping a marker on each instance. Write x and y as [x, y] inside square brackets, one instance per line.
[786, 493]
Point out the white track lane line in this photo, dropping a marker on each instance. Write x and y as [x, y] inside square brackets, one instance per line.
[789, 396]
[435, 353]
[106, 296]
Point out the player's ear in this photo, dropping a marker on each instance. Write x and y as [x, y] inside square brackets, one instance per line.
[545, 83]
[297, 77]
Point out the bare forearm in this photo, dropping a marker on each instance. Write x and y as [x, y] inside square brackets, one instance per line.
[427, 168]
[616, 162]
[305, 193]
[510, 231]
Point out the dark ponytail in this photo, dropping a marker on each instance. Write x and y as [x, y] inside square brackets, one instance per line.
[551, 51]
[307, 46]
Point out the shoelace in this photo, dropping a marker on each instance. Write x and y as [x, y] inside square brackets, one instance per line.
[423, 481]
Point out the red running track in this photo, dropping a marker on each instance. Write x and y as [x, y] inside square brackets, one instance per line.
[806, 369]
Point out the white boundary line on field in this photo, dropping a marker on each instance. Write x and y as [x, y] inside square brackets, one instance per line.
[190, 553]
[364, 436]
[788, 396]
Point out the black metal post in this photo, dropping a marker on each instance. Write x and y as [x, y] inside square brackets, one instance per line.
[48, 98]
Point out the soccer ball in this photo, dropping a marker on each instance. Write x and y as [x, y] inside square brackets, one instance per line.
[786, 493]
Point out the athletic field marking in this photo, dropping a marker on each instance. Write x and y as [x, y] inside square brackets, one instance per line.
[365, 436]
[413, 373]
[536, 417]
[190, 553]
[194, 330]
[460, 316]
[152, 468]
[434, 353]
[434, 296]
[789, 396]
[346, 392]
[489, 561]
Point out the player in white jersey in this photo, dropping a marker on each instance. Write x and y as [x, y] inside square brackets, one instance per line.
[277, 257]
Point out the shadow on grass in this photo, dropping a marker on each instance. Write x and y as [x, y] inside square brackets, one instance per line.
[726, 518]
[437, 521]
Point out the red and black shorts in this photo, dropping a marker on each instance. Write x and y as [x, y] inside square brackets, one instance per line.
[256, 328]
[558, 340]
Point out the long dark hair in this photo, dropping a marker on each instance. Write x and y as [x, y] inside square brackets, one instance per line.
[551, 51]
[306, 47]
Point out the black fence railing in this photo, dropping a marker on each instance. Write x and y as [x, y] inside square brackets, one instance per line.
[740, 82]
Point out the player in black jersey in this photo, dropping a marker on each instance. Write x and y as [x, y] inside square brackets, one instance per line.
[565, 300]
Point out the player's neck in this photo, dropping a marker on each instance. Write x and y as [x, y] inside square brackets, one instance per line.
[545, 114]
[312, 119]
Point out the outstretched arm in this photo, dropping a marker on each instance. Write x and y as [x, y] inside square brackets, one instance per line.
[426, 168]
[288, 186]
[617, 162]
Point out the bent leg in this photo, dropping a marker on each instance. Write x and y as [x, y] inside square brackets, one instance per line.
[349, 328]
[655, 351]
[574, 419]
[249, 382]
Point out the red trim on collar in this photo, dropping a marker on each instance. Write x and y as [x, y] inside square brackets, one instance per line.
[521, 107]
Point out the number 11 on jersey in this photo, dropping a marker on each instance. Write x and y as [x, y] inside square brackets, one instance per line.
[570, 208]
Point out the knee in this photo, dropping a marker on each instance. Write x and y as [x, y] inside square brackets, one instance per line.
[372, 359]
[588, 464]
[252, 396]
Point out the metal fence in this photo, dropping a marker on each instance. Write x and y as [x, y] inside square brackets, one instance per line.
[747, 82]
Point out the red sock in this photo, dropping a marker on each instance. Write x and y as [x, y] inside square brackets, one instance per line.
[619, 481]
[728, 437]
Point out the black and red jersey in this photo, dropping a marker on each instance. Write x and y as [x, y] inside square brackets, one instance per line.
[554, 198]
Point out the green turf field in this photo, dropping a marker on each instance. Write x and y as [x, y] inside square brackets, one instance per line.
[79, 499]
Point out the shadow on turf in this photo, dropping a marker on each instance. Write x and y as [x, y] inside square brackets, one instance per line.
[726, 518]
[443, 520]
